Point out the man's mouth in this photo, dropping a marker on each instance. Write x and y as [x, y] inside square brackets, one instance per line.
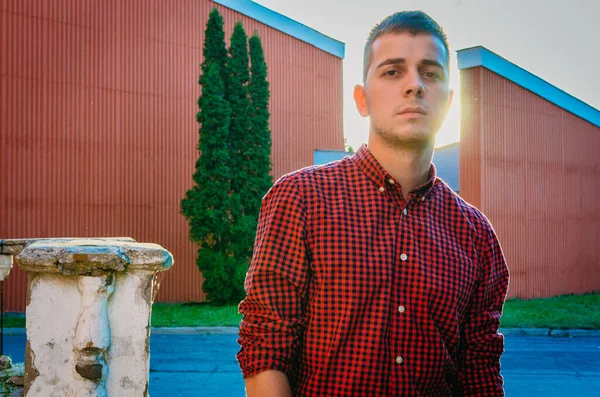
[413, 111]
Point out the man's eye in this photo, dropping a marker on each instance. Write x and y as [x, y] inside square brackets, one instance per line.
[432, 75]
[391, 73]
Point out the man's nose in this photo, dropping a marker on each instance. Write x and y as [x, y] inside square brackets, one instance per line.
[414, 85]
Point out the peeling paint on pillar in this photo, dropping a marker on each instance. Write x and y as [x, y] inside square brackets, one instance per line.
[30, 279]
[92, 372]
[31, 372]
[145, 289]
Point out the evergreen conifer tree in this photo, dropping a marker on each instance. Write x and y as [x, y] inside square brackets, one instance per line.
[207, 204]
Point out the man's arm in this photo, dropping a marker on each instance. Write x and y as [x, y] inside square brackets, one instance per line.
[482, 344]
[270, 383]
[273, 320]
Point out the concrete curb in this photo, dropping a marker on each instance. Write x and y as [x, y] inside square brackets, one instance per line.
[195, 330]
[525, 331]
[549, 332]
[13, 331]
[162, 331]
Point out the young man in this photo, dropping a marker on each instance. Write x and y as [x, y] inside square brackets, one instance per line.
[370, 276]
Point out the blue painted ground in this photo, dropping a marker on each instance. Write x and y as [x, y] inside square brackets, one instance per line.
[205, 365]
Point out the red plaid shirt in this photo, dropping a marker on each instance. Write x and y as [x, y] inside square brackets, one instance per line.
[352, 291]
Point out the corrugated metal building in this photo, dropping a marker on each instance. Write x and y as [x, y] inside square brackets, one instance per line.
[530, 160]
[98, 133]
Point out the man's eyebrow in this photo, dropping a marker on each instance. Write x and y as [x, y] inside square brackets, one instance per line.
[391, 61]
[431, 62]
[400, 61]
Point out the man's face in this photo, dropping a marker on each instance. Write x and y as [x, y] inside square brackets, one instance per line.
[406, 92]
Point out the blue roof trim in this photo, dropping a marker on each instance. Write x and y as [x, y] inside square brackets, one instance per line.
[481, 56]
[327, 156]
[286, 25]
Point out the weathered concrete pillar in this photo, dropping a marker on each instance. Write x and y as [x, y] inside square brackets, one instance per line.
[88, 316]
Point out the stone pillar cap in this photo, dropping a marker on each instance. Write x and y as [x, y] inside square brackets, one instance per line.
[14, 246]
[84, 256]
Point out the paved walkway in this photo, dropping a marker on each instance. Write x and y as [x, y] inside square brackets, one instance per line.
[205, 365]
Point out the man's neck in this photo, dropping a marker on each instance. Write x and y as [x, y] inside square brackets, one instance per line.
[408, 166]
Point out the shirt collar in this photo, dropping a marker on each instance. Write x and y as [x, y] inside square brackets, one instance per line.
[380, 177]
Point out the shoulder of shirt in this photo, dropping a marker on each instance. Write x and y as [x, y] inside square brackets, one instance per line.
[309, 177]
[479, 222]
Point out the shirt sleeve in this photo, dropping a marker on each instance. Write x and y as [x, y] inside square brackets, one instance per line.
[482, 344]
[273, 320]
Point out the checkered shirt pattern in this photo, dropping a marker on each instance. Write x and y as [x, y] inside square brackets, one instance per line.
[353, 291]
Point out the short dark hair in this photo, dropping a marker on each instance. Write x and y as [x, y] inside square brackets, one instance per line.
[413, 22]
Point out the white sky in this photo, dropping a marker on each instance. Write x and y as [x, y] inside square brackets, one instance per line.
[556, 40]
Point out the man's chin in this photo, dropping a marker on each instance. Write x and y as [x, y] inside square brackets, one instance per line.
[406, 138]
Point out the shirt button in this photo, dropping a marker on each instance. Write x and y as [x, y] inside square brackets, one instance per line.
[391, 181]
[403, 257]
[399, 360]
[423, 198]
[401, 309]
[382, 189]
[405, 211]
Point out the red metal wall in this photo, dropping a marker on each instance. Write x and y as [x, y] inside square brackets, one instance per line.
[533, 169]
[98, 133]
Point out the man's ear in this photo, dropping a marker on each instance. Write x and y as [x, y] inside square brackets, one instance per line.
[361, 100]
